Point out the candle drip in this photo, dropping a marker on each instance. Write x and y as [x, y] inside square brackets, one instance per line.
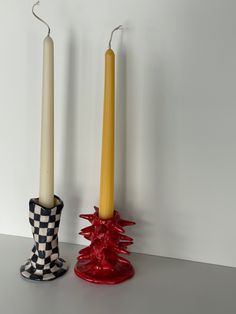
[114, 30]
[39, 18]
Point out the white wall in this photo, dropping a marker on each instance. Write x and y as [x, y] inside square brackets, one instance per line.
[176, 112]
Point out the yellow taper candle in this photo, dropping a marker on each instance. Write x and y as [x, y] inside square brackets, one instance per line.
[106, 207]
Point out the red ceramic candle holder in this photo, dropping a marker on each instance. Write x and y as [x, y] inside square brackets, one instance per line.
[100, 262]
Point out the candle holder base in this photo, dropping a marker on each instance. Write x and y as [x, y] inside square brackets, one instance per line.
[44, 263]
[100, 263]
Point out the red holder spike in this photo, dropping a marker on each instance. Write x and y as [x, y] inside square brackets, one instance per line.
[100, 262]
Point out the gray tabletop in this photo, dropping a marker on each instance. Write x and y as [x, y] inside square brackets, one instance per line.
[161, 285]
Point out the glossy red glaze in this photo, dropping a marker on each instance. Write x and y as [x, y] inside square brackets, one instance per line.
[100, 262]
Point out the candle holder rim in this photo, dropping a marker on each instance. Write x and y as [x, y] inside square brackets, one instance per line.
[116, 215]
[58, 202]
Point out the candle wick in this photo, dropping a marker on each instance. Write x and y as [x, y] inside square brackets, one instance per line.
[115, 29]
[39, 18]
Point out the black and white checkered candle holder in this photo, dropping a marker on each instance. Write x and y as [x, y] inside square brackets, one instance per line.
[44, 263]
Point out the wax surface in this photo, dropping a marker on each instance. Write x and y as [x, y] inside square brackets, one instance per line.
[46, 190]
[107, 162]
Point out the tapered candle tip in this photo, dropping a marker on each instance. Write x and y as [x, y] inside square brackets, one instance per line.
[110, 52]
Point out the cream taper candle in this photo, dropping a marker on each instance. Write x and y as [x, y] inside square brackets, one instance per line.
[46, 190]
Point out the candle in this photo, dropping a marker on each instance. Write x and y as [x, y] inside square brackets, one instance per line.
[107, 162]
[46, 189]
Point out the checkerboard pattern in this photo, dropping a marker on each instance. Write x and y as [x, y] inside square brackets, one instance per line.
[44, 263]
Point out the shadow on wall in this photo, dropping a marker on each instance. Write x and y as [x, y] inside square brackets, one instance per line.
[69, 187]
[148, 158]
[121, 127]
[123, 158]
